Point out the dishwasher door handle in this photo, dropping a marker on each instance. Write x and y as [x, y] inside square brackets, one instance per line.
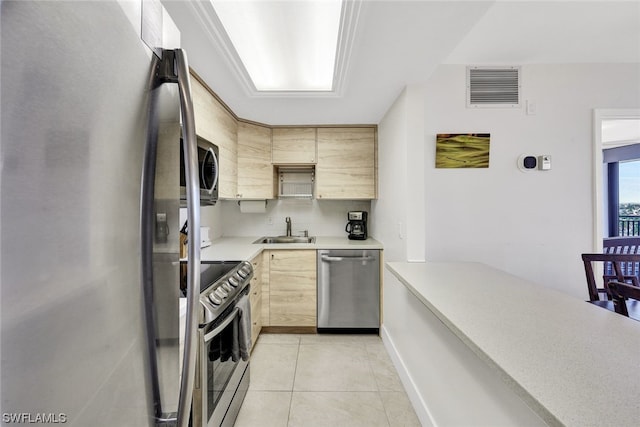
[327, 258]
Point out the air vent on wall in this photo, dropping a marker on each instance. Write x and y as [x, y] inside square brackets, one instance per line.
[493, 87]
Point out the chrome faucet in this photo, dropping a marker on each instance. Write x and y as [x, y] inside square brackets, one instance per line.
[288, 221]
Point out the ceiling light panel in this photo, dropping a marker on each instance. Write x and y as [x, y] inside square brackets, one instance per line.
[284, 45]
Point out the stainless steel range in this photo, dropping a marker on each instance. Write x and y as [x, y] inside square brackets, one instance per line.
[224, 340]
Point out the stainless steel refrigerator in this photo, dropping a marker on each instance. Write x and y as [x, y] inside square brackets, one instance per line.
[91, 119]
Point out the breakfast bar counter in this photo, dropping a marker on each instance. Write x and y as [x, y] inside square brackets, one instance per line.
[571, 363]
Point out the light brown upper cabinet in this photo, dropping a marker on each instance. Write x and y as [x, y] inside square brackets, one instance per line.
[346, 167]
[217, 125]
[293, 146]
[255, 172]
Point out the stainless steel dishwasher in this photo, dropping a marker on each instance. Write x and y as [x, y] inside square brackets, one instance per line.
[349, 290]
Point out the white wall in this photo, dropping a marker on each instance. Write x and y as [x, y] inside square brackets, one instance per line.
[398, 213]
[210, 216]
[535, 224]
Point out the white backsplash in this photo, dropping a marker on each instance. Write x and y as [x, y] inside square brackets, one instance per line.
[210, 216]
[319, 217]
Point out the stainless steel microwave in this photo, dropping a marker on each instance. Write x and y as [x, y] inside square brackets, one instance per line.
[208, 173]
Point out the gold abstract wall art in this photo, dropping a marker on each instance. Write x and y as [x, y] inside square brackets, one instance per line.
[462, 150]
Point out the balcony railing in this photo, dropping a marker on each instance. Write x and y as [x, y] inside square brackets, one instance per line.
[629, 225]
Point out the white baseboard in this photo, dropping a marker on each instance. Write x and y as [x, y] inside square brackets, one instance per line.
[419, 406]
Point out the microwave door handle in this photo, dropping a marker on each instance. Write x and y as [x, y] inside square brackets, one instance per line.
[216, 171]
[209, 336]
[193, 249]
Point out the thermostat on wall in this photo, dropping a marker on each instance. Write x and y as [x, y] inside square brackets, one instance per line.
[544, 162]
[527, 163]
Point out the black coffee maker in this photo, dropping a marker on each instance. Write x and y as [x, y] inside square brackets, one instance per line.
[357, 225]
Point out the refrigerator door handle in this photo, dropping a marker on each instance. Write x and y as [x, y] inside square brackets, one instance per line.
[193, 248]
[173, 68]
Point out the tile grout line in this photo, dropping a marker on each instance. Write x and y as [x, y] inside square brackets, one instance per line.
[295, 370]
[375, 379]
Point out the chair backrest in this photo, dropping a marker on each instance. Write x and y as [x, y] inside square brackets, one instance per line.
[621, 245]
[620, 292]
[629, 245]
[615, 267]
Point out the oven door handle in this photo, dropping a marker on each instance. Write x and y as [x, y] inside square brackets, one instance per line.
[208, 337]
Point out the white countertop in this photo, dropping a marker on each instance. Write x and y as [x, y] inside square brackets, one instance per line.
[243, 248]
[573, 363]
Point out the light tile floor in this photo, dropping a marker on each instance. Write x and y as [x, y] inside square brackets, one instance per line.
[324, 380]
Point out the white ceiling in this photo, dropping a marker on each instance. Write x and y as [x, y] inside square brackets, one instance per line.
[402, 42]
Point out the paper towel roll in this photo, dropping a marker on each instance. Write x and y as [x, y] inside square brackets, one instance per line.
[253, 206]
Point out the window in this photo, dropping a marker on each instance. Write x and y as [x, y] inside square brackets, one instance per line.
[623, 190]
[629, 198]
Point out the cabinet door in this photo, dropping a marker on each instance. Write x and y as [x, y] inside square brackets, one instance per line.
[294, 146]
[217, 125]
[346, 163]
[255, 298]
[265, 288]
[255, 172]
[292, 288]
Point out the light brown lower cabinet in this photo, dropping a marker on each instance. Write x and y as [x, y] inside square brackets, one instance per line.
[292, 288]
[255, 298]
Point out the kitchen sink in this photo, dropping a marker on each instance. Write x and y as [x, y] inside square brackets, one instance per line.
[285, 239]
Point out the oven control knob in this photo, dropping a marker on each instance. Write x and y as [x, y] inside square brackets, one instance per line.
[227, 287]
[242, 273]
[214, 299]
[221, 293]
[233, 281]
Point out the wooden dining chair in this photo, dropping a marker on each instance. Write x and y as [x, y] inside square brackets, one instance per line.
[622, 245]
[620, 292]
[615, 267]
